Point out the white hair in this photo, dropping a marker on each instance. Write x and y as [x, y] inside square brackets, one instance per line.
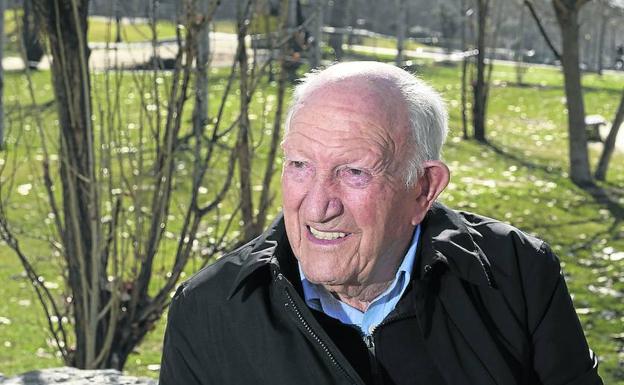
[428, 117]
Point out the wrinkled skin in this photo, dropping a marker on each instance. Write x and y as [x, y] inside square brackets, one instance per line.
[349, 215]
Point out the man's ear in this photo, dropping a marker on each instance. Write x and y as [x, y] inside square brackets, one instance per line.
[429, 186]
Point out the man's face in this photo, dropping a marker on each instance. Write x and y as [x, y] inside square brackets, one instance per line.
[349, 216]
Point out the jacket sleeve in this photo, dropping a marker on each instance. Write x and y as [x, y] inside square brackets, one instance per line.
[561, 354]
[179, 365]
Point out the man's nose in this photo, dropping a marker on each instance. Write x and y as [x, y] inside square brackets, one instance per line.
[322, 203]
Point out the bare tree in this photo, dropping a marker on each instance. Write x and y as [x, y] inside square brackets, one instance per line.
[519, 51]
[609, 145]
[567, 12]
[116, 205]
[243, 147]
[315, 58]
[604, 21]
[338, 20]
[66, 28]
[465, 14]
[30, 36]
[401, 7]
[2, 7]
[534, 14]
[200, 111]
[254, 209]
[480, 92]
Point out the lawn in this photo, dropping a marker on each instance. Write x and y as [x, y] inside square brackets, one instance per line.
[519, 177]
[99, 31]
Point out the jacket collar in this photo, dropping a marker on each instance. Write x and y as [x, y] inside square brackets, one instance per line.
[261, 253]
[448, 240]
[445, 239]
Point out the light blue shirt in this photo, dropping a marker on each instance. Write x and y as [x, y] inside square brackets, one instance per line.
[318, 298]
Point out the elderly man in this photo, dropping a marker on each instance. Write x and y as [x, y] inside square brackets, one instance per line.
[366, 279]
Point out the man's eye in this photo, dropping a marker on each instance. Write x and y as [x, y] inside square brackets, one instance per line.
[297, 164]
[355, 171]
[355, 177]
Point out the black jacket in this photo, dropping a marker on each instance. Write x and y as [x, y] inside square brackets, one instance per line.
[490, 301]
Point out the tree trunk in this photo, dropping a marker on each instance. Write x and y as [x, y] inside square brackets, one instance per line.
[110, 315]
[315, 57]
[66, 25]
[338, 20]
[401, 7]
[479, 90]
[601, 41]
[464, 48]
[30, 36]
[242, 144]
[266, 196]
[567, 17]
[609, 145]
[2, 6]
[200, 113]
[519, 52]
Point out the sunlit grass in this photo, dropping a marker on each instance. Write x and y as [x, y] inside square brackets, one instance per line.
[103, 31]
[99, 31]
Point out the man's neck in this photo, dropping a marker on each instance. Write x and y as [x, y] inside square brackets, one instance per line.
[359, 297]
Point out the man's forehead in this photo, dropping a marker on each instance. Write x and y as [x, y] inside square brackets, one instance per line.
[356, 88]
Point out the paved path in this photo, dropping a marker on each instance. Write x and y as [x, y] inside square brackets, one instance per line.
[127, 55]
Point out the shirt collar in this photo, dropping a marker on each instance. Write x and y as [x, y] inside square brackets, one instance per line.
[445, 240]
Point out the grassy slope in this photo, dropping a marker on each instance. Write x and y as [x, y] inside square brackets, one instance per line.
[519, 178]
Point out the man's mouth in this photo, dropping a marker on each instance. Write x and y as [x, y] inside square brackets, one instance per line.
[327, 235]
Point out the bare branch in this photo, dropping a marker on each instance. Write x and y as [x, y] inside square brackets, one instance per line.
[549, 42]
[609, 145]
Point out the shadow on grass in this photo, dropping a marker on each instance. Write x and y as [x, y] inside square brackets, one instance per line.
[610, 232]
[606, 196]
[548, 87]
[520, 159]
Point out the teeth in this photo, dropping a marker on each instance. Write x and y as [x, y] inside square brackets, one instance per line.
[327, 235]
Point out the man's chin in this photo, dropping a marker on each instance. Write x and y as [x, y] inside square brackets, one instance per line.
[325, 277]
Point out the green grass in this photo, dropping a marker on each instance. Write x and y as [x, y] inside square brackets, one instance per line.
[102, 31]
[520, 177]
[99, 31]
[388, 42]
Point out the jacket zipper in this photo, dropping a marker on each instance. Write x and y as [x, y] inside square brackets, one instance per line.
[316, 338]
[369, 341]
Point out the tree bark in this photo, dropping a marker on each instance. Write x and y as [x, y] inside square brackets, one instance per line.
[242, 144]
[519, 51]
[609, 145]
[601, 41]
[338, 20]
[401, 7]
[66, 26]
[479, 90]
[200, 113]
[315, 58]
[567, 17]
[464, 48]
[2, 7]
[266, 196]
[30, 36]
